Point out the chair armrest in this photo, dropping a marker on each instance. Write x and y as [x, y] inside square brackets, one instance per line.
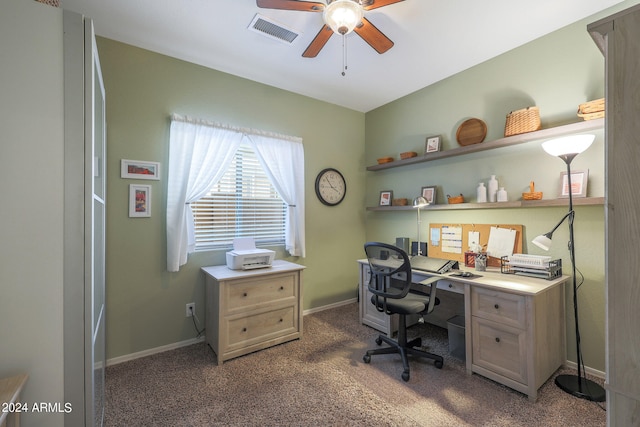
[432, 282]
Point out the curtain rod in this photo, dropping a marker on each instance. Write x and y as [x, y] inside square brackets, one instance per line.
[246, 131]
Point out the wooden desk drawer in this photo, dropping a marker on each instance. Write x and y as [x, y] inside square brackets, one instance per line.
[502, 307]
[500, 348]
[259, 291]
[248, 330]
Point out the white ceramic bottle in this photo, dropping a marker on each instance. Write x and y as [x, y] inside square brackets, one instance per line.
[502, 195]
[493, 188]
[481, 193]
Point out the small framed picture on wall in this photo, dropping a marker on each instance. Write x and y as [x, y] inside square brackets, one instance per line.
[139, 201]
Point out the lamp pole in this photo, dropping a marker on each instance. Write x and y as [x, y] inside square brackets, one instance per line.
[578, 386]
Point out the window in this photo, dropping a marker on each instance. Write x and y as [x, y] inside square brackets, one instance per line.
[243, 203]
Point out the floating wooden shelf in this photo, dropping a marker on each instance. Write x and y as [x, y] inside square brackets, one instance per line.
[577, 201]
[539, 135]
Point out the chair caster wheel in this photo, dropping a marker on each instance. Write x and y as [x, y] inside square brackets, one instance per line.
[379, 341]
[438, 364]
[405, 376]
[366, 358]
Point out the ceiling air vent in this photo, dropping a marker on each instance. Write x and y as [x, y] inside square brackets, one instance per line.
[269, 28]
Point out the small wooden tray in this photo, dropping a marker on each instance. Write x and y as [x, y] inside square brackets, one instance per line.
[471, 131]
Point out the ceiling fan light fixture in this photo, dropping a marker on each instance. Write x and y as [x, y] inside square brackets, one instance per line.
[342, 16]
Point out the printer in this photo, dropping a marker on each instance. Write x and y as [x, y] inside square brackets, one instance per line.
[245, 255]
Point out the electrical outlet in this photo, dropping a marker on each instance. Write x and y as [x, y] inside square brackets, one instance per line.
[191, 308]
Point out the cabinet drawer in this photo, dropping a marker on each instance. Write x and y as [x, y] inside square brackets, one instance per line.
[502, 307]
[500, 349]
[248, 330]
[259, 291]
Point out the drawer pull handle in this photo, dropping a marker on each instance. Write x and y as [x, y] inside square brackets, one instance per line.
[451, 285]
[497, 339]
[496, 306]
[281, 320]
[282, 288]
[244, 294]
[244, 329]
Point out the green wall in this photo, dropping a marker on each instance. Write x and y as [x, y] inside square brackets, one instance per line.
[556, 72]
[145, 303]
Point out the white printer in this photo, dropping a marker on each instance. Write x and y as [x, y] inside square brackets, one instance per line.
[245, 255]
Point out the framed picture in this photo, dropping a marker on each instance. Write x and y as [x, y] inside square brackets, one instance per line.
[429, 193]
[578, 184]
[386, 197]
[432, 144]
[139, 201]
[138, 169]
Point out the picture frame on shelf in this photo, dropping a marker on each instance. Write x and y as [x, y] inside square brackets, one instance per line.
[139, 169]
[385, 198]
[429, 193]
[139, 201]
[432, 144]
[579, 180]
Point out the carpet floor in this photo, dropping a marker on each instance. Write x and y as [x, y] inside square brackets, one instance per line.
[321, 380]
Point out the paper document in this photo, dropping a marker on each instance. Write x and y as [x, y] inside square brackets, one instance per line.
[501, 242]
[452, 239]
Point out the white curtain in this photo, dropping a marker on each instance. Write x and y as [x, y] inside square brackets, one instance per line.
[199, 154]
[283, 161]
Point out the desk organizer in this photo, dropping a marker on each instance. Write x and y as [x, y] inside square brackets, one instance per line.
[542, 267]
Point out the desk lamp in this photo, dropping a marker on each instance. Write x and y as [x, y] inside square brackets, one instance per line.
[419, 203]
[567, 149]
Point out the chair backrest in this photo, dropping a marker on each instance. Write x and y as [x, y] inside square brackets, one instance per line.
[390, 270]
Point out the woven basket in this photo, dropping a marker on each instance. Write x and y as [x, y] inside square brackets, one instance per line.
[591, 110]
[522, 121]
[455, 199]
[532, 194]
[408, 155]
[399, 202]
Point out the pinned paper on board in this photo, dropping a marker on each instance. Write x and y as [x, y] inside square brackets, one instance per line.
[452, 239]
[435, 236]
[501, 242]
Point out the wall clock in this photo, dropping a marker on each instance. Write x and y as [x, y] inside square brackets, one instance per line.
[330, 187]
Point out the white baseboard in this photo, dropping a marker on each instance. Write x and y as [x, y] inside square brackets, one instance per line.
[149, 352]
[588, 370]
[161, 349]
[327, 307]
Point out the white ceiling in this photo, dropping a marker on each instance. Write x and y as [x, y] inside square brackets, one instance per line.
[433, 40]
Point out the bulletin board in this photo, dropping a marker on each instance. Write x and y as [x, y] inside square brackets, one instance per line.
[451, 241]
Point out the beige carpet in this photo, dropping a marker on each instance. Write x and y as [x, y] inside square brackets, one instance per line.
[321, 380]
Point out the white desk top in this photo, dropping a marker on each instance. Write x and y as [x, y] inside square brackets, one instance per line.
[493, 278]
[222, 272]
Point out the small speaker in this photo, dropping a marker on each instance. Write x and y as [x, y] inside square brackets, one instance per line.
[403, 243]
[423, 248]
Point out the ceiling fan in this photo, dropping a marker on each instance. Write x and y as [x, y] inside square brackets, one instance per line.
[340, 17]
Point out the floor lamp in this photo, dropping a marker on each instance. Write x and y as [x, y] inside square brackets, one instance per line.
[419, 203]
[567, 148]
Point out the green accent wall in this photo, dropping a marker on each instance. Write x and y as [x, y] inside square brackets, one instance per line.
[145, 303]
[556, 73]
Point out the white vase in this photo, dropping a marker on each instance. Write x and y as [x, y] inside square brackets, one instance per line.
[493, 188]
[481, 193]
[502, 195]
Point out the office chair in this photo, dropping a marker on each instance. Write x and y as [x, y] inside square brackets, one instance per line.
[389, 284]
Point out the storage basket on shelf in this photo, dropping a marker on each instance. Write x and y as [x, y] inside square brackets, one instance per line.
[532, 194]
[408, 155]
[455, 199]
[522, 121]
[591, 110]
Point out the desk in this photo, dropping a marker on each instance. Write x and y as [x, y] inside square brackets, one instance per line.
[514, 325]
[250, 310]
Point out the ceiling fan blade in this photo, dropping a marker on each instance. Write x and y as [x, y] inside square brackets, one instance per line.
[305, 6]
[374, 4]
[318, 42]
[373, 36]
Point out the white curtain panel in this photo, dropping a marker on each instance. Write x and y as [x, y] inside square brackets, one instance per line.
[199, 154]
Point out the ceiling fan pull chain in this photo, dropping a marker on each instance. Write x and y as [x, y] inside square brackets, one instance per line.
[344, 54]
